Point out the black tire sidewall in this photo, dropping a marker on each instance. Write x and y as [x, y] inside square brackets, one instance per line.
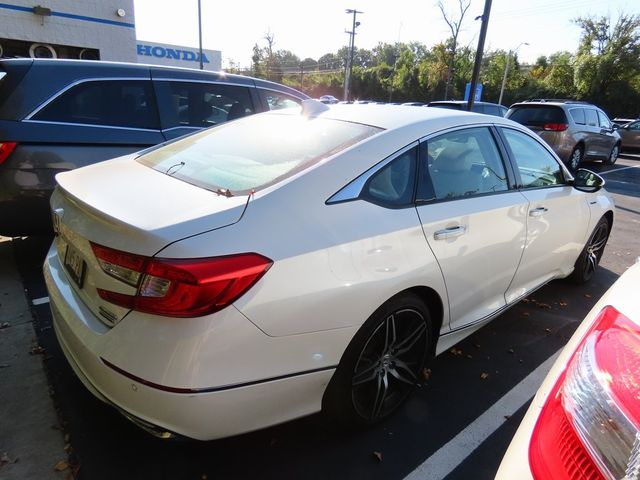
[337, 402]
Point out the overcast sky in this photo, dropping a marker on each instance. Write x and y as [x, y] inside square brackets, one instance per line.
[313, 28]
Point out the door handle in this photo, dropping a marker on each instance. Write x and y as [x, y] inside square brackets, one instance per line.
[538, 212]
[449, 232]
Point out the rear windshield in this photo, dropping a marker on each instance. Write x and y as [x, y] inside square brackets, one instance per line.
[254, 152]
[533, 115]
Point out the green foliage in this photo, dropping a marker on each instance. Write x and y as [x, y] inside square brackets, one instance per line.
[604, 70]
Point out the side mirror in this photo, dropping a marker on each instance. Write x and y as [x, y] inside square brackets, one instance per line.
[587, 181]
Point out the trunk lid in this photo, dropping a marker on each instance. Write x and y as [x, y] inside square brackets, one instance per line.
[124, 205]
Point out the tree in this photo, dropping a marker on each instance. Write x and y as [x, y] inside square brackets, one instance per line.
[608, 55]
[455, 26]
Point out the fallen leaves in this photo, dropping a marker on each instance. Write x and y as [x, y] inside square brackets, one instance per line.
[426, 374]
[456, 352]
[378, 456]
[6, 460]
[61, 466]
[484, 376]
[587, 295]
[37, 350]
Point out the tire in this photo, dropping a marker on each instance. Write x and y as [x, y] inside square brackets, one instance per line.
[589, 258]
[613, 156]
[382, 364]
[576, 158]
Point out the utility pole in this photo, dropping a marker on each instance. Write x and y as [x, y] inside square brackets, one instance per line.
[200, 34]
[301, 75]
[352, 42]
[479, 51]
[506, 69]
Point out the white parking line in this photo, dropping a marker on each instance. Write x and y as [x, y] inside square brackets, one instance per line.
[618, 170]
[453, 453]
[40, 301]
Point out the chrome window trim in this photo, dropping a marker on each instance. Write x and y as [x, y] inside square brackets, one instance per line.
[51, 122]
[258, 87]
[2, 75]
[78, 82]
[353, 189]
[184, 126]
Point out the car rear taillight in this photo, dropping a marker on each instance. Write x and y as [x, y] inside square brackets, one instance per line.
[589, 427]
[180, 287]
[555, 127]
[5, 150]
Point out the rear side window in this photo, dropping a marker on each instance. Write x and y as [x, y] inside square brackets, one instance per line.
[578, 116]
[207, 104]
[254, 152]
[461, 164]
[278, 100]
[119, 103]
[450, 106]
[537, 116]
[393, 185]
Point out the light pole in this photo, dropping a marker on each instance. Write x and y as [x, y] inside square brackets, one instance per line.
[352, 43]
[200, 34]
[506, 69]
[479, 51]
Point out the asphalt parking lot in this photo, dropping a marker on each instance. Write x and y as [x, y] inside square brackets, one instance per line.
[456, 426]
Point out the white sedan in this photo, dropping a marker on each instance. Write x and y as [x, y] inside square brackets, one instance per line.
[298, 261]
[584, 422]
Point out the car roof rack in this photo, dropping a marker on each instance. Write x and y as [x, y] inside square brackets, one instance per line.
[556, 100]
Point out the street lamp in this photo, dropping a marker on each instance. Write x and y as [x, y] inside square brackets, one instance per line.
[200, 34]
[506, 69]
[349, 69]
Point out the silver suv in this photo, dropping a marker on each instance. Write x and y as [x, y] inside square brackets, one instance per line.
[575, 130]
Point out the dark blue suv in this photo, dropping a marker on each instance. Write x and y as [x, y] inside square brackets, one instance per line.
[56, 115]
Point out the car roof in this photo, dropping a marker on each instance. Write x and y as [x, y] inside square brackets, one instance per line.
[396, 116]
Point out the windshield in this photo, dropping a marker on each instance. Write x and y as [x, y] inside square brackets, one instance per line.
[254, 152]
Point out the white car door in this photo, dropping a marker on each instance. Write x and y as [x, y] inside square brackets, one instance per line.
[473, 221]
[557, 219]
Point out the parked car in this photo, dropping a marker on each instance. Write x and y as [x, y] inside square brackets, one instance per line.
[290, 262]
[630, 135]
[584, 422]
[576, 131]
[478, 107]
[619, 122]
[328, 99]
[56, 115]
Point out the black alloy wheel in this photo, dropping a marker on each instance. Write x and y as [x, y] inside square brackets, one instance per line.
[589, 259]
[383, 363]
[389, 365]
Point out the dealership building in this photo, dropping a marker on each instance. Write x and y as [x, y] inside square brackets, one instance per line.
[89, 30]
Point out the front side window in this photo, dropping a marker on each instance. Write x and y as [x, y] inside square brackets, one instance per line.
[393, 184]
[462, 164]
[119, 103]
[254, 152]
[537, 167]
[604, 120]
[204, 105]
[592, 117]
[635, 126]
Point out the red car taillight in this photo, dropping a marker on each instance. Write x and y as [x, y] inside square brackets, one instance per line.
[5, 150]
[180, 287]
[555, 127]
[589, 427]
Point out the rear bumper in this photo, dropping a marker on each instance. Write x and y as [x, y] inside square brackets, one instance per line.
[226, 411]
